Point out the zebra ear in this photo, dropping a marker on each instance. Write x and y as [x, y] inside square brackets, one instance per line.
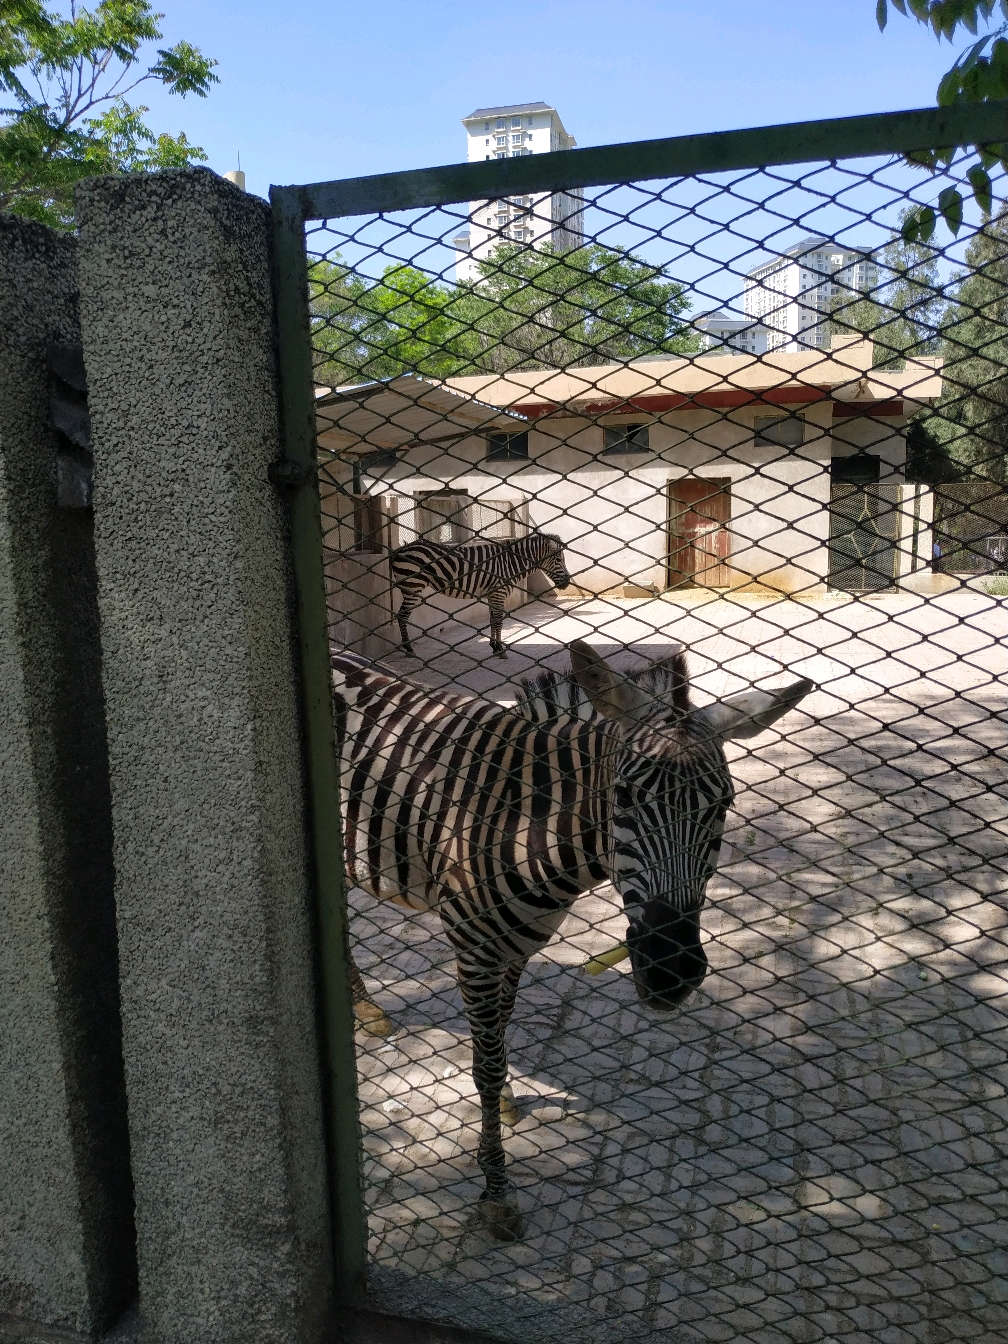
[610, 693]
[749, 712]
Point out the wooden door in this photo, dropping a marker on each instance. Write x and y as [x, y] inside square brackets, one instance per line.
[699, 536]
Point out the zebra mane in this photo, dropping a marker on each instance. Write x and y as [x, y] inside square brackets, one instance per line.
[558, 695]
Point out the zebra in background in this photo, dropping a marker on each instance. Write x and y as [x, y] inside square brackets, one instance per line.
[499, 818]
[488, 569]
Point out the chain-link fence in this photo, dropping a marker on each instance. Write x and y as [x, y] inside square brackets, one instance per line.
[759, 415]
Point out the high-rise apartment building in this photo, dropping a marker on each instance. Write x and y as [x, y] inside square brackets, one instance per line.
[793, 295]
[551, 217]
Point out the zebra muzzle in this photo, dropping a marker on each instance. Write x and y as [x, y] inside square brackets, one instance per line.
[667, 957]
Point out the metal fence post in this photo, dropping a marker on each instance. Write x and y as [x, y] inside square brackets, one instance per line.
[297, 474]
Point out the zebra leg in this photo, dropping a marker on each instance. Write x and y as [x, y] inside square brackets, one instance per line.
[407, 603]
[371, 1018]
[495, 601]
[482, 996]
[509, 1112]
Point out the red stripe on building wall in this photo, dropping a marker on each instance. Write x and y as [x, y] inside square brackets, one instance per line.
[725, 400]
[869, 409]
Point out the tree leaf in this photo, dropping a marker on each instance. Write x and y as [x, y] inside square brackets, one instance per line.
[881, 15]
[910, 230]
[184, 69]
[922, 158]
[982, 190]
[969, 58]
[950, 203]
[928, 222]
[948, 87]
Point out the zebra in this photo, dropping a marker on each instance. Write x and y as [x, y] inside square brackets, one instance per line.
[483, 568]
[500, 817]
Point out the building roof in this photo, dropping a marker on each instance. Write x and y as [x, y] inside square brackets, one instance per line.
[721, 319]
[402, 412]
[810, 244]
[843, 374]
[510, 110]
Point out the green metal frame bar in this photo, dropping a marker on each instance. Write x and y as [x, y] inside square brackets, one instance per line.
[349, 1222]
[643, 160]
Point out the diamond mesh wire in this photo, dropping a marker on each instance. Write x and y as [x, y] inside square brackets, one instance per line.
[767, 429]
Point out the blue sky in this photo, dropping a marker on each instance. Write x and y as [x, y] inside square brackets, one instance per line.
[321, 91]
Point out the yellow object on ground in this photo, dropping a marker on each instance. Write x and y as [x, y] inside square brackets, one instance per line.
[596, 965]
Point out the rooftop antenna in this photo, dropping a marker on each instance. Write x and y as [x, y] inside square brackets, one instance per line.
[236, 175]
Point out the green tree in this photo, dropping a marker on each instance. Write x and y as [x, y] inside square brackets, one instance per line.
[978, 76]
[404, 322]
[543, 308]
[529, 308]
[970, 423]
[903, 315]
[69, 79]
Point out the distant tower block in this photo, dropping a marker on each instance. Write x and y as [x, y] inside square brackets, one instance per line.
[547, 217]
[793, 296]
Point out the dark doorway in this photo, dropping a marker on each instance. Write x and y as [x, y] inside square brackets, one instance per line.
[864, 525]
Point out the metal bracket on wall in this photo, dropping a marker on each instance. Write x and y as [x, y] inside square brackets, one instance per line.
[287, 475]
[69, 416]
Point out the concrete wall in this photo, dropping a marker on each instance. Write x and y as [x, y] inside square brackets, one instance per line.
[213, 898]
[67, 1257]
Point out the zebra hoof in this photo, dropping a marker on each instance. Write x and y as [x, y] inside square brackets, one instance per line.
[500, 651]
[372, 1019]
[501, 1215]
[509, 1112]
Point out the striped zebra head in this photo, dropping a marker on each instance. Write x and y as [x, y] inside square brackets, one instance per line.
[669, 791]
[547, 551]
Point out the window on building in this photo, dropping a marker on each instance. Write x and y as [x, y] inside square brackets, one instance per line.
[626, 439]
[507, 447]
[781, 431]
[488, 139]
[857, 469]
[486, 125]
[367, 523]
[502, 139]
[500, 123]
[516, 121]
[516, 139]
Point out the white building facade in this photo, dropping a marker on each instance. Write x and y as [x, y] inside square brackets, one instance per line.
[793, 295]
[720, 332]
[553, 217]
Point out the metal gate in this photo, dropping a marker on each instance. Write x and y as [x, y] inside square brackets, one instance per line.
[864, 536]
[546, 354]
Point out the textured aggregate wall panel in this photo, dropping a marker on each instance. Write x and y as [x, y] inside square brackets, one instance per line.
[213, 893]
[67, 1256]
